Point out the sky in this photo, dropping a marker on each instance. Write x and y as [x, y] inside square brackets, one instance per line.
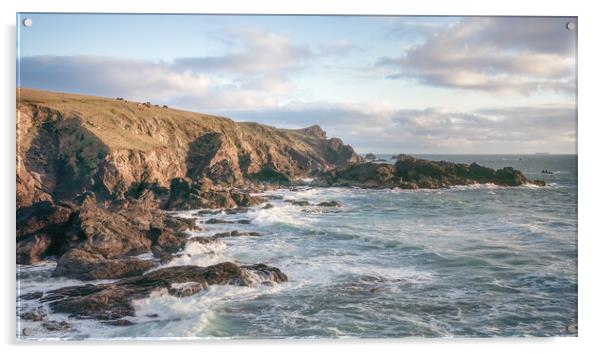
[465, 85]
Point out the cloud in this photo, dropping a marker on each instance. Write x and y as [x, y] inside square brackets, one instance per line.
[254, 73]
[433, 130]
[261, 52]
[499, 54]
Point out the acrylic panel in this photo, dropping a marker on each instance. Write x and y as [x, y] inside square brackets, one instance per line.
[278, 176]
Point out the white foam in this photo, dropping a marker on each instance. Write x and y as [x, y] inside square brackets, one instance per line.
[196, 253]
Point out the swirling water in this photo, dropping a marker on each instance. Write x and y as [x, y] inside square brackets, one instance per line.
[471, 261]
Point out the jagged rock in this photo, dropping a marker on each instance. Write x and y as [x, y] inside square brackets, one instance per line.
[32, 296]
[43, 217]
[64, 151]
[113, 300]
[337, 153]
[268, 206]
[104, 233]
[370, 156]
[40, 228]
[32, 249]
[84, 265]
[411, 173]
[330, 204]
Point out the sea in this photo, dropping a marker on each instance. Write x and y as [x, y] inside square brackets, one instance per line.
[468, 261]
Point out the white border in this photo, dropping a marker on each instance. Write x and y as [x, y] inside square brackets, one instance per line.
[589, 166]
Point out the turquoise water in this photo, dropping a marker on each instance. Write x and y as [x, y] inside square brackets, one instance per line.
[467, 261]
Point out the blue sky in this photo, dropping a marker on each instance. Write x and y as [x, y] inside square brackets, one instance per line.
[383, 84]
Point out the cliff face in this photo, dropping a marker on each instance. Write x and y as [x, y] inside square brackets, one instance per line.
[67, 144]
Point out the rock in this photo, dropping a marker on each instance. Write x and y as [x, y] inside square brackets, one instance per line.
[32, 296]
[297, 202]
[366, 175]
[40, 229]
[62, 154]
[538, 182]
[35, 315]
[56, 326]
[235, 233]
[236, 210]
[82, 265]
[337, 153]
[218, 221]
[330, 204]
[32, 249]
[104, 233]
[43, 217]
[411, 173]
[204, 240]
[370, 156]
[185, 289]
[113, 300]
[267, 206]
[119, 323]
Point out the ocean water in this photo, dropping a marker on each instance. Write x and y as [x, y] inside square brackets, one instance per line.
[470, 261]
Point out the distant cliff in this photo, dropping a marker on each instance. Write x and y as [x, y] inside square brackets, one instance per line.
[68, 144]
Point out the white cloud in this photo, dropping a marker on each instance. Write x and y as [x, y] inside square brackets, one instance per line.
[500, 55]
[433, 130]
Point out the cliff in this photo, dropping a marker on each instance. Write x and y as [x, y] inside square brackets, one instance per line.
[68, 144]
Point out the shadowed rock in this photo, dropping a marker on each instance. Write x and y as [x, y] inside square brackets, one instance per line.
[114, 300]
[411, 173]
[330, 204]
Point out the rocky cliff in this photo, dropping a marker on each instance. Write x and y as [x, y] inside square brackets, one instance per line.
[68, 144]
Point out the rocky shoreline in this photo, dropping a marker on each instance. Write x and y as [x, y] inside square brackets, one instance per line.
[95, 202]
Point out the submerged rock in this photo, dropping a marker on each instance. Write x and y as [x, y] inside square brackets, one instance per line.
[56, 325]
[114, 300]
[297, 202]
[119, 323]
[235, 233]
[330, 204]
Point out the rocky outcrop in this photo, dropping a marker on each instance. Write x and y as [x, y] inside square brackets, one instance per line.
[70, 144]
[412, 173]
[370, 156]
[96, 242]
[40, 230]
[114, 300]
[83, 265]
